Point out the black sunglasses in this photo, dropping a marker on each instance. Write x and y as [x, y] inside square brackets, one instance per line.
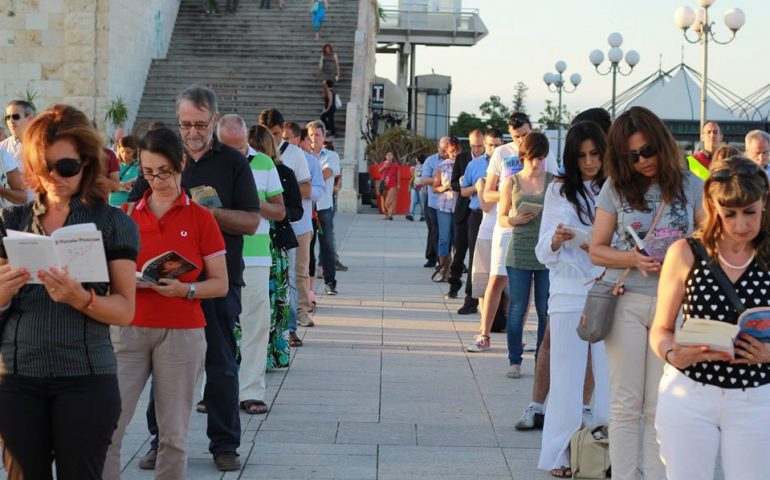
[742, 170]
[14, 116]
[66, 167]
[646, 152]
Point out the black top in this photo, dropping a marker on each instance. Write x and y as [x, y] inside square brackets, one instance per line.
[228, 171]
[292, 197]
[462, 204]
[43, 338]
[704, 298]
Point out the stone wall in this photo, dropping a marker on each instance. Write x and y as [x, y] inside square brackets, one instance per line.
[82, 52]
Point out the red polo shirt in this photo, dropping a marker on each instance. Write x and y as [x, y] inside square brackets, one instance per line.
[191, 231]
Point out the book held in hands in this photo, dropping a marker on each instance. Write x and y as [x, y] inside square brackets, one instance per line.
[720, 335]
[166, 265]
[77, 248]
[206, 196]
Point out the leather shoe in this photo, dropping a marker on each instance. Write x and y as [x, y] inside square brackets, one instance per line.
[147, 462]
[452, 293]
[430, 264]
[467, 310]
[227, 462]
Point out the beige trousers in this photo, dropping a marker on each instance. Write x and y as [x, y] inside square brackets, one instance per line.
[174, 357]
[635, 373]
[255, 333]
[303, 274]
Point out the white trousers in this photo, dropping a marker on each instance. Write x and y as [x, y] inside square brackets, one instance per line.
[255, 333]
[635, 373]
[569, 355]
[697, 421]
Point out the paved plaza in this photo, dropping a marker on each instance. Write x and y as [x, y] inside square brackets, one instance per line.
[382, 388]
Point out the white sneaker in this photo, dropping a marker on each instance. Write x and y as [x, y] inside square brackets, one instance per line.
[305, 321]
[480, 343]
[588, 417]
[531, 419]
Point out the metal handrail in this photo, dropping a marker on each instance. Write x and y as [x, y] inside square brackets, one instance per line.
[463, 20]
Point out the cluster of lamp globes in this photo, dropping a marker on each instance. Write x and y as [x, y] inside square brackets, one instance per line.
[686, 17]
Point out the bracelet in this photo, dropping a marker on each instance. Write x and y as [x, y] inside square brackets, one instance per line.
[90, 305]
[666, 356]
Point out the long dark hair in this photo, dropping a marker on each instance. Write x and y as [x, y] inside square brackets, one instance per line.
[573, 188]
[630, 184]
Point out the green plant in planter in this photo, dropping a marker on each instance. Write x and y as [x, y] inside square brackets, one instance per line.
[404, 144]
[29, 96]
[117, 112]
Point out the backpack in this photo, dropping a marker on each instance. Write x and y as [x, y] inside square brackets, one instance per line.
[590, 452]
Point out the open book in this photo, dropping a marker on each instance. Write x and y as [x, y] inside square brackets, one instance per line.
[533, 208]
[206, 196]
[166, 265]
[720, 335]
[582, 235]
[79, 248]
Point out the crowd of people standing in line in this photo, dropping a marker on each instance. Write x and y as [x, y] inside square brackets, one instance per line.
[545, 233]
[76, 357]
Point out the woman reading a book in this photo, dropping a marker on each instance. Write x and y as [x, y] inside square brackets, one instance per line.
[711, 401]
[59, 396]
[166, 337]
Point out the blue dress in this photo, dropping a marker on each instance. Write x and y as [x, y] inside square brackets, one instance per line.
[318, 13]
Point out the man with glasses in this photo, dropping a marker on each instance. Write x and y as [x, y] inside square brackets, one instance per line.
[303, 229]
[758, 148]
[224, 169]
[699, 161]
[18, 114]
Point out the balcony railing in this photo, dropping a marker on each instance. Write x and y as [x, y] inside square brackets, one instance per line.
[463, 27]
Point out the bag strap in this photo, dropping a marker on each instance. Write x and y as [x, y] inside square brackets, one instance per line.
[284, 147]
[719, 275]
[658, 214]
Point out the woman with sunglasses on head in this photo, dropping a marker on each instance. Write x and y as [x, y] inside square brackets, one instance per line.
[568, 215]
[710, 401]
[166, 337]
[649, 192]
[59, 396]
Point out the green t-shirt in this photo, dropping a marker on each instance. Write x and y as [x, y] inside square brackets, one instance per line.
[256, 248]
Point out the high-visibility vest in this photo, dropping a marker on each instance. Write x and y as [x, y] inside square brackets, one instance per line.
[697, 168]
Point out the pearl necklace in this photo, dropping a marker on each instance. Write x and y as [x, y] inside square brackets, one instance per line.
[737, 267]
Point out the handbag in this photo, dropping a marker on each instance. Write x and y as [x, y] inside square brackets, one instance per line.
[282, 235]
[590, 452]
[602, 299]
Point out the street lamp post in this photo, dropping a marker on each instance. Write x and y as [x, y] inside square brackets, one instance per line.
[556, 80]
[686, 17]
[614, 55]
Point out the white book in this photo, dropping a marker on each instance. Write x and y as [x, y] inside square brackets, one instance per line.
[533, 208]
[582, 235]
[78, 248]
[700, 331]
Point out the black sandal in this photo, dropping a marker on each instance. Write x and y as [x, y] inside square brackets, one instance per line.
[254, 407]
[563, 472]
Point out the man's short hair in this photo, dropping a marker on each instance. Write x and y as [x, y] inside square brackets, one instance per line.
[476, 132]
[756, 135]
[518, 120]
[232, 121]
[25, 105]
[302, 134]
[270, 117]
[293, 127]
[494, 133]
[203, 98]
[316, 124]
[597, 115]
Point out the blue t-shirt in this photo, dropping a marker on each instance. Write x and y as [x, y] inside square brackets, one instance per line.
[473, 172]
[429, 171]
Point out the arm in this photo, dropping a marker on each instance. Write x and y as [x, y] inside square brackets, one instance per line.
[17, 192]
[236, 222]
[305, 189]
[113, 181]
[603, 255]
[504, 207]
[215, 285]
[551, 236]
[491, 194]
[437, 183]
[671, 288]
[486, 207]
[469, 191]
[327, 173]
[116, 308]
[273, 209]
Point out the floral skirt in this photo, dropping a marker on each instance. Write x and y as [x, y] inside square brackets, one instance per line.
[278, 345]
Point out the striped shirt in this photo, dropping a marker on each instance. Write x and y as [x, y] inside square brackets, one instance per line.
[256, 248]
[43, 338]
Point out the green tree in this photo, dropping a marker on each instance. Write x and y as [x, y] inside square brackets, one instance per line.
[496, 113]
[466, 123]
[549, 117]
[520, 97]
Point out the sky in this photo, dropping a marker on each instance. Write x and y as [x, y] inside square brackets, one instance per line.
[527, 37]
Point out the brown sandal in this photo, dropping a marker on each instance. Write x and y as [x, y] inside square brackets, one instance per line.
[254, 407]
[294, 340]
[563, 472]
[201, 407]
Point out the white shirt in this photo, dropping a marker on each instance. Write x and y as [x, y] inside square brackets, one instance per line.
[331, 161]
[12, 147]
[294, 158]
[505, 162]
[569, 268]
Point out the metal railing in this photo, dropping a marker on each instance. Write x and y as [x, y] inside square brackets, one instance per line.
[464, 21]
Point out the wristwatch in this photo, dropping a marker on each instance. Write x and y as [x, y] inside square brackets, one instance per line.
[190, 291]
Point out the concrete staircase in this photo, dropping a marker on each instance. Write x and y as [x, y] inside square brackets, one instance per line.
[253, 60]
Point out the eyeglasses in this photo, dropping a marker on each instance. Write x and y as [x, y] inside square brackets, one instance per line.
[518, 120]
[66, 167]
[152, 176]
[646, 151]
[287, 138]
[742, 170]
[200, 126]
[14, 116]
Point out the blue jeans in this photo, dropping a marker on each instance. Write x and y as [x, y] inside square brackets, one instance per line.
[327, 254]
[416, 198]
[446, 233]
[519, 286]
